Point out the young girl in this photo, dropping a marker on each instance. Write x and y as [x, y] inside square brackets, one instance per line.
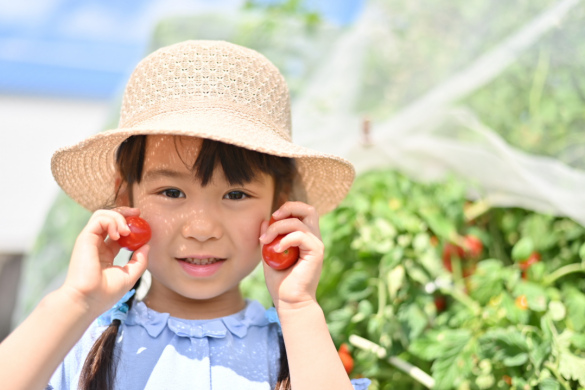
[203, 153]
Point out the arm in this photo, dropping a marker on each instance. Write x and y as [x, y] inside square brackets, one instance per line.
[33, 351]
[312, 357]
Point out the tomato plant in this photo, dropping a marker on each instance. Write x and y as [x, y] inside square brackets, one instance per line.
[140, 234]
[279, 260]
[386, 265]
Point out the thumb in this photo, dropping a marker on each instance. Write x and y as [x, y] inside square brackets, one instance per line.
[138, 263]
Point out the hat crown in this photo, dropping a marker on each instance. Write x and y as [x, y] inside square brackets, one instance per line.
[194, 75]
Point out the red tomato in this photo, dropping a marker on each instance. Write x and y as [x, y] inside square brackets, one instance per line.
[279, 260]
[473, 246]
[450, 250]
[140, 233]
[526, 264]
[346, 358]
[440, 303]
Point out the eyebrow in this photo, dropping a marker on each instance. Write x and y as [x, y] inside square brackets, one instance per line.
[165, 173]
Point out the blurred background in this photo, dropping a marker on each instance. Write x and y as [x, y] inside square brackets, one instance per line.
[462, 117]
[63, 67]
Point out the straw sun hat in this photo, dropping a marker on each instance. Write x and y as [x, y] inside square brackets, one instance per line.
[208, 89]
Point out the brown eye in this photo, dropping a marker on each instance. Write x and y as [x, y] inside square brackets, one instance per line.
[173, 193]
[235, 195]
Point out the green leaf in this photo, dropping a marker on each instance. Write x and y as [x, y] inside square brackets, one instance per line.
[523, 248]
[513, 313]
[557, 310]
[572, 367]
[488, 280]
[451, 369]
[436, 343]
[549, 384]
[540, 353]
[437, 221]
[395, 281]
[536, 295]
[582, 252]
[412, 319]
[485, 381]
[506, 345]
[575, 303]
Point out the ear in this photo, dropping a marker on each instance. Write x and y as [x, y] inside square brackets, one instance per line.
[122, 193]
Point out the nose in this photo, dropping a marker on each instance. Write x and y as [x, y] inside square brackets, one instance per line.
[202, 225]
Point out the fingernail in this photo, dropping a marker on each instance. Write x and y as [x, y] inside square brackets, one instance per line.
[262, 237]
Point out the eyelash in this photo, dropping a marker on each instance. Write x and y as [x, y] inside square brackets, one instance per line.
[241, 194]
[174, 190]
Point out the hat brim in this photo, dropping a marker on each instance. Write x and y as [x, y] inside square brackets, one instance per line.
[86, 171]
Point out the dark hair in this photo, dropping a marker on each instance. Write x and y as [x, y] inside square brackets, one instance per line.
[239, 166]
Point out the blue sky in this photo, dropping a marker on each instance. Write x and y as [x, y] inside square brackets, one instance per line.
[86, 49]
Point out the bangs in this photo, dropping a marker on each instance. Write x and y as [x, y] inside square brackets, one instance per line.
[239, 165]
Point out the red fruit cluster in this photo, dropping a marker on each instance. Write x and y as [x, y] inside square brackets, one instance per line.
[526, 264]
[346, 358]
[471, 250]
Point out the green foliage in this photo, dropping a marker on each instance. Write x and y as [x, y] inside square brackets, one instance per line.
[505, 324]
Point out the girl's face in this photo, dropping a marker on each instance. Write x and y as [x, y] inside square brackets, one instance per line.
[204, 239]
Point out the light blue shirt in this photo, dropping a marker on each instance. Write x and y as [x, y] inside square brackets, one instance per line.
[157, 352]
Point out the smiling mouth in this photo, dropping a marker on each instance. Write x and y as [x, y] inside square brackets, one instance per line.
[208, 261]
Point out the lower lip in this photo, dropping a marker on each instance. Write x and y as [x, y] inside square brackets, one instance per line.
[201, 271]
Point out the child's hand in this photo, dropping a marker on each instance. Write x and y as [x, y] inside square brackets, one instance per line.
[297, 285]
[92, 277]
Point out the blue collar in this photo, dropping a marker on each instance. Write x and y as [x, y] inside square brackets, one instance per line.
[237, 324]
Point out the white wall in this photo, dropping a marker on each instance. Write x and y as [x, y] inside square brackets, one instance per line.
[31, 129]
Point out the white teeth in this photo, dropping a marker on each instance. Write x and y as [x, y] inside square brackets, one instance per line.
[201, 261]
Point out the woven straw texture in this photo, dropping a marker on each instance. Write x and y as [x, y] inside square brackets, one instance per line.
[208, 89]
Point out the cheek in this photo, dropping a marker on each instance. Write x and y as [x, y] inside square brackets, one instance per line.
[249, 233]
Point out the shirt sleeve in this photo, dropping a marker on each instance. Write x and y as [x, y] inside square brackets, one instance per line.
[361, 383]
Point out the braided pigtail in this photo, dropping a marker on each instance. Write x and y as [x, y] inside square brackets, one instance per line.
[99, 369]
[283, 381]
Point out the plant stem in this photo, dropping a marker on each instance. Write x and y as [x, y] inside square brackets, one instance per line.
[556, 373]
[414, 372]
[563, 271]
[463, 298]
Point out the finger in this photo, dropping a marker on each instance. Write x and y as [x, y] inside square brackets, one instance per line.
[306, 213]
[127, 211]
[138, 263]
[105, 222]
[307, 243]
[263, 229]
[282, 227]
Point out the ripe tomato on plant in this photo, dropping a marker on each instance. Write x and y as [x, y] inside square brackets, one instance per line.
[440, 303]
[450, 250]
[279, 260]
[346, 358]
[526, 264]
[140, 234]
[473, 246]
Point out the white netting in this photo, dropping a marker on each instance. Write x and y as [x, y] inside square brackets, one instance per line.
[440, 132]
